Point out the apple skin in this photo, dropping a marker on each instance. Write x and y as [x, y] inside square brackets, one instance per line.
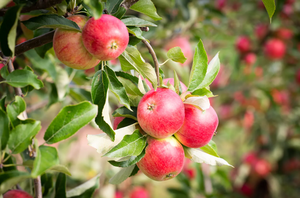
[17, 194]
[243, 44]
[69, 48]
[160, 113]
[261, 31]
[164, 159]
[171, 80]
[284, 33]
[274, 49]
[185, 46]
[250, 58]
[198, 127]
[106, 38]
[139, 192]
[117, 121]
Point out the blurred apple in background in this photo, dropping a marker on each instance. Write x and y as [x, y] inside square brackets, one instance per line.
[139, 192]
[274, 49]
[243, 44]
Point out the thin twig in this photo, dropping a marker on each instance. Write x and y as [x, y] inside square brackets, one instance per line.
[38, 187]
[156, 64]
[37, 106]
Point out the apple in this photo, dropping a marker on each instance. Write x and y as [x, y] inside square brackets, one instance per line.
[246, 190]
[171, 80]
[284, 33]
[248, 120]
[119, 194]
[185, 46]
[106, 38]
[117, 121]
[198, 127]
[69, 48]
[220, 4]
[274, 49]
[20, 40]
[261, 30]
[160, 113]
[139, 192]
[16, 194]
[243, 44]
[262, 167]
[164, 158]
[250, 58]
[10, 4]
[188, 170]
[298, 76]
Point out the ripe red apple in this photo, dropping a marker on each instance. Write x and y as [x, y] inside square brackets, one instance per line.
[117, 121]
[198, 127]
[188, 170]
[106, 38]
[10, 4]
[262, 167]
[164, 159]
[261, 30]
[250, 58]
[243, 44]
[248, 120]
[171, 80]
[160, 113]
[220, 4]
[69, 48]
[284, 33]
[185, 46]
[16, 194]
[139, 192]
[119, 194]
[20, 40]
[274, 49]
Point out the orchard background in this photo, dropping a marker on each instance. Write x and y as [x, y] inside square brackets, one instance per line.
[256, 96]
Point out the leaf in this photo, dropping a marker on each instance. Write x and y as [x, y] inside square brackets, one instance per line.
[113, 5]
[146, 7]
[2, 104]
[135, 171]
[127, 76]
[41, 50]
[3, 3]
[51, 21]
[85, 190]
[126, 122]
[203, 92]
[69, 120]
[177, 84]
[136, 31]
[4, 72]
[8, 30]
[53, 96]
[103, 143]
[130, 87]
[60, 186]
[117, 87]
[199, 67]
[199, 101]
[137, 22]
[4, 130]
[61, 168]
[21, 136]
[124, 112]
[131, 161]
[95, 7]
[131, 145]
[175, 54]
[141, 85]
[199, 156]
[23, 78]
[122, 175]
[46, 158]
[132, 59]
[47, 183]
[11, 178]
[14, 109]
[270, 7]
[210, 148]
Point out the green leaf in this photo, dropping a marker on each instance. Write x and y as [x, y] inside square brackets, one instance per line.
[4, 72]
[23, 78]
[4, 129]
[127, 76]
[61, 168]
[2, 103]
[95, 7]
[14, 109]
[8, 31]
[131, 145]
[85, 190]
[146, 7]
[126, 122]
[124, 112]
[177, 85]
[175, 54]
[69, 120]
[21, 136]
[135, 171]
[117, 87]
[11, 178]
[137, 22]
[136, 31]
[131, 161]
[132, 59]
[53, 96]
[60, 186]
[122, 175]
[130, 87]
[51, 21]
[270, 7]
[4, 3]
[47, 183]
[199, 67]
[46, 158]
[41, 51]
[113, 5]
[210, 148]
[203, 92]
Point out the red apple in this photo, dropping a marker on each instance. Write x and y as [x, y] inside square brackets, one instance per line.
[171, 80]
[69, 48]
[20, 40]
[284, 33]
[248, 120]
[188, 170]
[220, 4]
[274, 49]
[139, 192]
[298, 76]
[117, 121]
[160, 113]
[250, 58]
[243, 44]
[119, 194]
[261, 30]
[185, 46]
[198, 127]
[10, 4]
[164, 159]
[16, 194]
[246, 190]
[262, 167]
[106, 38]
[250, 158]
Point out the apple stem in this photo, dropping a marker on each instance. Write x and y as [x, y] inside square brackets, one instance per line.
[156, 64]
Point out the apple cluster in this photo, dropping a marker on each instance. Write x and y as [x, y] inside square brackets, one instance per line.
[171, 125]
[100, 39]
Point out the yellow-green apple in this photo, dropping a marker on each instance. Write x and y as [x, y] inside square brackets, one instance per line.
[139, 192]
[69, 48]
[185, 46]
[171, 80]
[274, 49]
[198, 127]
[106, 38]
[164, 158]
[243, 44]
[160, 113]
[16, 194]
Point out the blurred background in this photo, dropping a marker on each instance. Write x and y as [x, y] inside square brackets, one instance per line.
[256, 98]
